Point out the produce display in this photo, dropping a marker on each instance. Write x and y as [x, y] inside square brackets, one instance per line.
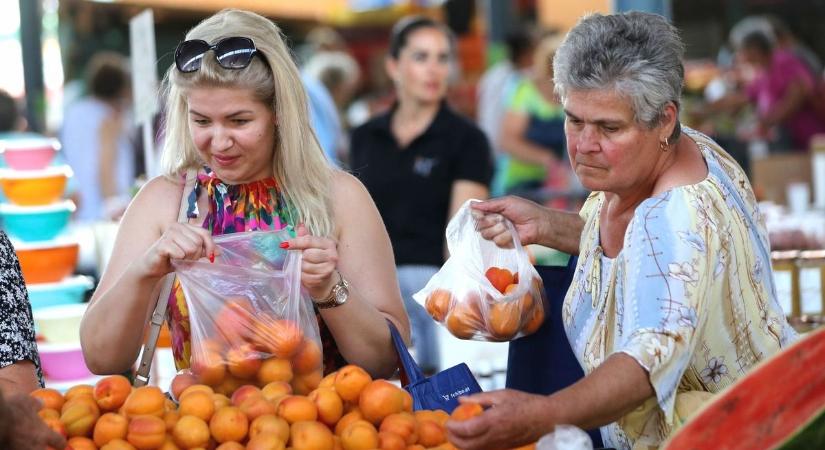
[347, 409]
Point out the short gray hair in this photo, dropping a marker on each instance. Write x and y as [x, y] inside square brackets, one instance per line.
[639, 55]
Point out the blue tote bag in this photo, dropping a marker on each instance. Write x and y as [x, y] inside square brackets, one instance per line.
[440, 391]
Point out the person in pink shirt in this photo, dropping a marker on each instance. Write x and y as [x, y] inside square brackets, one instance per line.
[781, 90]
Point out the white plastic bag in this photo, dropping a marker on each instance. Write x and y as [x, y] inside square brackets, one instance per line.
[462, 295]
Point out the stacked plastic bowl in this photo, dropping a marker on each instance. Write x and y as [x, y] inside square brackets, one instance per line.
[36, 216]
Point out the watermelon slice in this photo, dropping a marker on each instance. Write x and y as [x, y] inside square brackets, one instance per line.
[780, 404]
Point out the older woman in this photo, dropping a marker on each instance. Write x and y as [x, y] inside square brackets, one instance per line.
[672, 299]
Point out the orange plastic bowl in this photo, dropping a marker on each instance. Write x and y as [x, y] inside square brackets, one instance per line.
[47, 262]
[35, 187]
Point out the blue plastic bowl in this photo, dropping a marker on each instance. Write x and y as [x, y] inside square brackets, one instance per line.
[36, 223]
[69, 291]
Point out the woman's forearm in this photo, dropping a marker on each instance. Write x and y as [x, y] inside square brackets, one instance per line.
[615, 388]
[112, 329]
[561, 230]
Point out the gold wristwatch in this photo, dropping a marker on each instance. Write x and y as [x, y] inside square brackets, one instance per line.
[337, 297]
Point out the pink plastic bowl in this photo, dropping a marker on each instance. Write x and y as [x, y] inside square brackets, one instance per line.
[29, 154]
[63, 361]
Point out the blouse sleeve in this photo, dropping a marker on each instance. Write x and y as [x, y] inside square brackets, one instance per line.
[669, 254]
[17, 341]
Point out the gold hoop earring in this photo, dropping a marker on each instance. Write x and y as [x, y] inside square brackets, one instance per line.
[664, 145]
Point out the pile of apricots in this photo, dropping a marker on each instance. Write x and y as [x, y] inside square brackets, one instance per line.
[493, 318]
[347, 409]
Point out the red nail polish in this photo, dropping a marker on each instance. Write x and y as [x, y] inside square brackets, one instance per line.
[285, 244]
[212, 257]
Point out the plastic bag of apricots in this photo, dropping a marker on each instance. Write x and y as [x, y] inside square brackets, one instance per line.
[484, 292]
[249, 322]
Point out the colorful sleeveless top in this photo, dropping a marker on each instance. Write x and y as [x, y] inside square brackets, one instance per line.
[255, 206]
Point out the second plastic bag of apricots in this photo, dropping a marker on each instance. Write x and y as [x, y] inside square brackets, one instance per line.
[249, 322]
[484, 292]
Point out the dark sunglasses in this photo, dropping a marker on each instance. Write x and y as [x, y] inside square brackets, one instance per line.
[231, 53]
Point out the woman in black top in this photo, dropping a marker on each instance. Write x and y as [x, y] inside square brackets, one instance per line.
[420, 162]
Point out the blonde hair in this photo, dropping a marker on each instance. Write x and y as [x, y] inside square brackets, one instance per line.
[298, 163]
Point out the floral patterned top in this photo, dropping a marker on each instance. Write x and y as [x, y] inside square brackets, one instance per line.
[690, 296]
[255, 206]
[16, 324]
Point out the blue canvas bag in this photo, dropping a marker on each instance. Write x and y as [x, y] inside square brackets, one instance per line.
[440, 391]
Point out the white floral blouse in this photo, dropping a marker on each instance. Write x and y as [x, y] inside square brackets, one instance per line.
[690, 296]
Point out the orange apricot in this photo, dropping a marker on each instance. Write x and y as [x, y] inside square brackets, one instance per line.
[379, 399]
[146, 432]
[307, 358]
[329, 404]
[50, 398]
[350, 380]
[275, 369]
[403, 424]
[466, 411]
[229, 424]
[311, 435]
[198, 404]
[108, 427]
[438, 304]
[296, 408]
[191, 432]
[145, 400]
[270, 424]
[360, 435]
[111, 392]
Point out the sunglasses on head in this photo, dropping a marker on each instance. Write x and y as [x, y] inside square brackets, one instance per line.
[231, 53]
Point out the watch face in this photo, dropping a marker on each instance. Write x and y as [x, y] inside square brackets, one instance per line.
[341, 295]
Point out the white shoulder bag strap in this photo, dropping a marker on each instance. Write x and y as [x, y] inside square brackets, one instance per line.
[159, 314]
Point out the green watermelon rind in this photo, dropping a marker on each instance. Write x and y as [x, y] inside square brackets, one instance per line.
[703, 430]
[810, 433]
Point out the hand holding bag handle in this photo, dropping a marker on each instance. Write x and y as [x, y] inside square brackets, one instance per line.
[440, 391]
[159, 313]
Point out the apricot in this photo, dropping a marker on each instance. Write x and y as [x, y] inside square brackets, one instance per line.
[275, 390]
[79, 417]
[244, 392]
[265, 441]
[85, 399]
[191, 432]
[466, 411]
[328, 381]
[408, 401]
[270, 424]
[195, 388]
[81, 443]
[504, 320]
[346, 420]
[390, 441]
[431, 433]
[108, 427]
[208, 365]
[296, 408]
[198, 404]
[306, 383]
[307, 358]
[235, 320]
[48, 413]
[280, 337]
[465, 318]
[170, 418]
[229, 385]
[169, 444]
[145, 400]
[535, 320]
[118, 444]
[243, 361]
[438, 304]
[379, 399]
[256, 406]
[79, 389]
[220, 400]
[329, 404]
[111, 392]
[403, 424]
[500, 278]
[146, 432]
[229, 424]
[49, 398]
[230, 445]
[180, 382]
[349, 382]
[275, 369]
[360, 435]
[56, 425]
[310, 435]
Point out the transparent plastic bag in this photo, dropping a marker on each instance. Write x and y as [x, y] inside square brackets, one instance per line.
[250, 323]
[484, 292]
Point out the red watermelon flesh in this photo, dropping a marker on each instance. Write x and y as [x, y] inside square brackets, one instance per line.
[781, 401]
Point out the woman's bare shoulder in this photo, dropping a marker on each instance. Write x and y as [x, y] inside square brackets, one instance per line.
[157, 201]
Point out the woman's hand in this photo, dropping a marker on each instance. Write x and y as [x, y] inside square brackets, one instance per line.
[23, 428]
[525, 215]
[320, 259]
[179, 241]
[511, 418]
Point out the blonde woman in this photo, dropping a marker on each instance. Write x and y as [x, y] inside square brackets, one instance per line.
[236, 112]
